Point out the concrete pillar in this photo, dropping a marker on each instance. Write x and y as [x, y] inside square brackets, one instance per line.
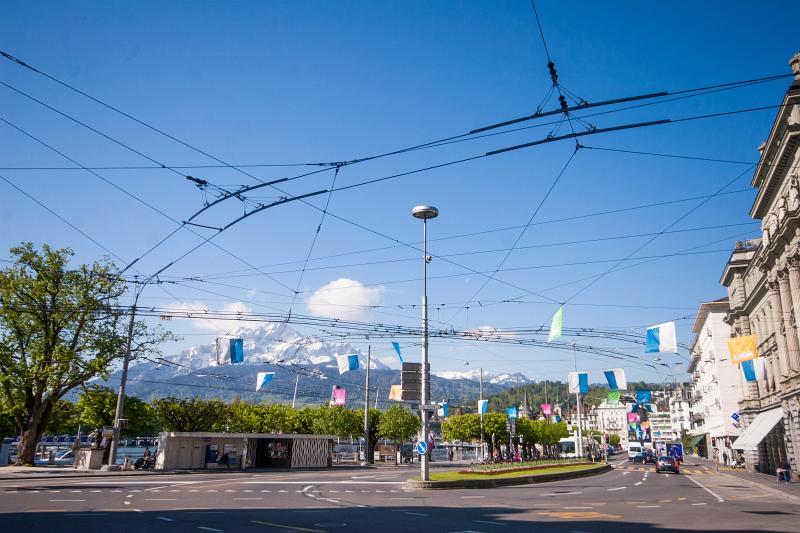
[793, 348]
[777, 325]
[794, 288]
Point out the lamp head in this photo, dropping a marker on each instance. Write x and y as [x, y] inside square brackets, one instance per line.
[425, 212]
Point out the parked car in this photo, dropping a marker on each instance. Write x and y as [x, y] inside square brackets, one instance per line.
[645, 457]
[667, 464]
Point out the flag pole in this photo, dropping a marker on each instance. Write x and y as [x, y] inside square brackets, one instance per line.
[480, 410]
[579, 450]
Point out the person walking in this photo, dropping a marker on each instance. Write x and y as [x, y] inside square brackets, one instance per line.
[225, 460]
[725, 458]
[784, 470]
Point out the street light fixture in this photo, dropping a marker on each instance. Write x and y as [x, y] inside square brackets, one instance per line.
[425, 212]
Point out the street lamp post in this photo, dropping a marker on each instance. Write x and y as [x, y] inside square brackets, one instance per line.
[425, 212]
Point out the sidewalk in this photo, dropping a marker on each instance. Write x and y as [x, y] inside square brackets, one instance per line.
[765, 481]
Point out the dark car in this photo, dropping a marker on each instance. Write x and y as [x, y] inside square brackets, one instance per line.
[645, 458]
[667, 464]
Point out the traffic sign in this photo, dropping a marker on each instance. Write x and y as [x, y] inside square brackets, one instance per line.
[422, 447]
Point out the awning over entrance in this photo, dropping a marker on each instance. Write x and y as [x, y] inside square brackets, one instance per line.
[758, 429]
[695, 441]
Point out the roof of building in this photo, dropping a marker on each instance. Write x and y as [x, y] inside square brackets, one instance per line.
[718, 306]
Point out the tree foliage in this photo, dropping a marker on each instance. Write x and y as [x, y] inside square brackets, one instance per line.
[463, 428]
[59, 328]
[398, 424]
[181, 414]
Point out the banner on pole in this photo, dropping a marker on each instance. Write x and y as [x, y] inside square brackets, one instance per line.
[556, 325]
[338, 395]
[396, 393]
[397, 349]
[263, 378]
[661, 338]
[616, 379]
[347, 363]
[482, 406]
[578, 382]
[613, 397]
[547, 409]
[742, 349]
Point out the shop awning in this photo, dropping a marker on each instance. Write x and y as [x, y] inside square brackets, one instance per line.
[695, 441]
[758, 429]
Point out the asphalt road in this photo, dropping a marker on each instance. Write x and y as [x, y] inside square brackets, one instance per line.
[629, 498]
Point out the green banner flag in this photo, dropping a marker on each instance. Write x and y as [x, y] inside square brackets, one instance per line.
[613, 396]
[555, 325]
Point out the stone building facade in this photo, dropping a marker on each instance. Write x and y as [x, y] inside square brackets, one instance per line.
[763, 281]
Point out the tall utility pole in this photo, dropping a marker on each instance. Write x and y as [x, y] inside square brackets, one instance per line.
[294, 396]
[579, 444]
[480, 409]
[425, 212]
[366, 407]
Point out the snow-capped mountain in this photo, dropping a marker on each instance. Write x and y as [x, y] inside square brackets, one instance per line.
[273, 342]
[506, 379]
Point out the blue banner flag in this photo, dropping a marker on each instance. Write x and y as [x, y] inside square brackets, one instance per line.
[397, 349]
[643, 396]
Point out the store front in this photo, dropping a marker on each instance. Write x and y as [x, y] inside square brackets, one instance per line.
[201, 450]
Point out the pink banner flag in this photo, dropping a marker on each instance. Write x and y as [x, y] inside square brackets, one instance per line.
[339, 396]
[633, 417]
[547, 409]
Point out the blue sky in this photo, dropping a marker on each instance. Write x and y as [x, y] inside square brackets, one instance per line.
[296, 82]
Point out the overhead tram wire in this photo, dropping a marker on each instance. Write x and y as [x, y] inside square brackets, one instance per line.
[521, 233]
[477, 233]
[133, 196]
[224, 164]
[21, 63]
[669, 226]
[76, 228]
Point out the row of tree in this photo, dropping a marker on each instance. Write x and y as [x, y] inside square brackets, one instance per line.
[467, 428]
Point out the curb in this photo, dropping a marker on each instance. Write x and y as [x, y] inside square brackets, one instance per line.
[790, 497]
[504, 482]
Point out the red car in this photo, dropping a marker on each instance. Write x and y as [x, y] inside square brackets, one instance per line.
[667, 464]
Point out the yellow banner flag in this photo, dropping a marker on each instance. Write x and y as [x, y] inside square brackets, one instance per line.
[742, 348]
[395, 393]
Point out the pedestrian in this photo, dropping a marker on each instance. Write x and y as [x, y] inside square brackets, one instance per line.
[725, 458]
[784, 471]
[225, 460]
[450, 455]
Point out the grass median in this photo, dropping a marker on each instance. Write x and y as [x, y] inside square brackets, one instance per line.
[461, 476]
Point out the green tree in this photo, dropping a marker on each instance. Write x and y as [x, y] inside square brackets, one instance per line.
[59, 328]
[173, 414]
[97, 406]
[463, 428]
[64, 419]
[613, 439]
[339, 421]
[398, 424]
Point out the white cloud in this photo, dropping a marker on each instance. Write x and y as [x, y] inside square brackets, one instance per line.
[344, 298]
[197, 314]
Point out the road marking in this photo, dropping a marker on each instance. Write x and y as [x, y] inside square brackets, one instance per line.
[262, 523]
[664, 501]
[66, 500]
[401, 498]
[209, 528]
[714, 494]
[559, 493]
[638, 483]
[127, 503]
[165, 519]
[160, 499]
[468, 497]
[626, 473]
[616, 488]
[647, 506]
[129, 496]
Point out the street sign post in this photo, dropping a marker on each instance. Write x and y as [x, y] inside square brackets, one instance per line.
[422, 447]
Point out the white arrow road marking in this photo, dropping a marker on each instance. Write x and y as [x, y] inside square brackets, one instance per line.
[616, 488]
